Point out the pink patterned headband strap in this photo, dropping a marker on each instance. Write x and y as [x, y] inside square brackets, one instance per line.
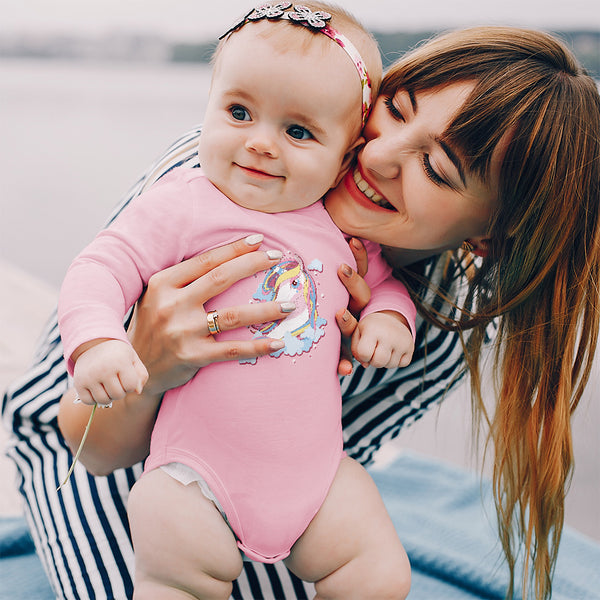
[316, 21]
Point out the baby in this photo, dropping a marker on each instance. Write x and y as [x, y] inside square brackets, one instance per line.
[250, 455]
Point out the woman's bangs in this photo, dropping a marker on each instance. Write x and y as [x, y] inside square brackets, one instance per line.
[479, 125]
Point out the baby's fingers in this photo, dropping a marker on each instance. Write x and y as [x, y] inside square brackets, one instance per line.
[85, 396]
[362, 348]
[130, 380]
[115, 387]
[113, 390]
[405, 358]
[90, 390]
[94, 394]
[390, 358]
[381, 358]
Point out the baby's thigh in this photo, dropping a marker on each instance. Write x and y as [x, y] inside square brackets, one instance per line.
[351, 548]
[179, 537]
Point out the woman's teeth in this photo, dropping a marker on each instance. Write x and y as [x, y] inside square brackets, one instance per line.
[369, 192]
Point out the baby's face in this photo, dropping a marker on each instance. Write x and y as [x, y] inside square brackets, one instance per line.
[282, 117]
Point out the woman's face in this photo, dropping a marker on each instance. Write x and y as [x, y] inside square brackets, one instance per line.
[409, 188]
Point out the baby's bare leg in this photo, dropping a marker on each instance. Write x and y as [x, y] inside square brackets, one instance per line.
[183, 546]
[350, 549]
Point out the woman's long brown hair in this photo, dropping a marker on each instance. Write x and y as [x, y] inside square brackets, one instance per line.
[540, 279]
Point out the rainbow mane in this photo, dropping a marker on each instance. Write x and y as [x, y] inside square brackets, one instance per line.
[291, 271]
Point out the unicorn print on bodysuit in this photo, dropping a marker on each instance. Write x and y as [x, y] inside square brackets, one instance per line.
[291, 281]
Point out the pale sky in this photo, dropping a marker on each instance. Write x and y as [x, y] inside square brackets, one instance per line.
[203, 20]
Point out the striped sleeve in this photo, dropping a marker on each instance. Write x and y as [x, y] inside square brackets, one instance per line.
[379, 403]
[81, 534]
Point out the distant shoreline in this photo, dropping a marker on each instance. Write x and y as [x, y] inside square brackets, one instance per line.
[131, 47]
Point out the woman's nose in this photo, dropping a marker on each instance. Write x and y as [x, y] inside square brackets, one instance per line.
[262, 142]
[382, 157]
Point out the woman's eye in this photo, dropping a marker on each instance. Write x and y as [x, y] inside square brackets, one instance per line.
[393, 109]
[430, 172]
[299, 133]
[239, 113]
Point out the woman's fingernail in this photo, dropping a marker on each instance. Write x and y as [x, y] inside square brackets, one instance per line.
[346, 271]
[255, 238]
[276, 344]
[345, 316]
[287, 307]
[356, 243]
[274, 254]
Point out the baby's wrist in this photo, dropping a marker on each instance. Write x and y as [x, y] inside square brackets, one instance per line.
[85, 347]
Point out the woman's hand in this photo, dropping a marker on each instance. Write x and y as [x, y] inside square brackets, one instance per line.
[169, 331]
[360, 294]
[169, 328]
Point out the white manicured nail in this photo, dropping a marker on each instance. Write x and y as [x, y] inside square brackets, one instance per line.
[274, 254]
[255, 238]
[287, 307]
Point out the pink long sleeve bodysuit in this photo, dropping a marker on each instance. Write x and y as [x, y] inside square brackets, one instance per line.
[266, 434]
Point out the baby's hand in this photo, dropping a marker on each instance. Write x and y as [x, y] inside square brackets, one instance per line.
[383, 340]
[108, 370]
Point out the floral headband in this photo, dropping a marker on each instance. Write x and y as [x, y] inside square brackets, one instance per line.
[316, 21]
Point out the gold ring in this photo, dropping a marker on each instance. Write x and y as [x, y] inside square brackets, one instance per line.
[212, 318]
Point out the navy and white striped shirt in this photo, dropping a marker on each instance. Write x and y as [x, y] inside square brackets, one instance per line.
[82, 535]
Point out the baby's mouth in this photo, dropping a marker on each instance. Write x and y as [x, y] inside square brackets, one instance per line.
[369, 192]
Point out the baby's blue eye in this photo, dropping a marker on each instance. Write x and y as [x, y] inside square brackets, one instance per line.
[239, 113]
[299, 133]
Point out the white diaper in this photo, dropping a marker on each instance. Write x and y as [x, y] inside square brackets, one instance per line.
[187, 475]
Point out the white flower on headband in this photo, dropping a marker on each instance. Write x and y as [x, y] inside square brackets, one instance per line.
[314, 19]
[271, 11]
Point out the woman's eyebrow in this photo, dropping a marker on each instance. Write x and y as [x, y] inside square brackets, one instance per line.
[453, 158]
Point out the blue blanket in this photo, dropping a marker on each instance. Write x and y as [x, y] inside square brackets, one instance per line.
[21, 573]
[445, 518]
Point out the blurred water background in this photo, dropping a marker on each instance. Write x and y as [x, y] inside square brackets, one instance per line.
[74, 136]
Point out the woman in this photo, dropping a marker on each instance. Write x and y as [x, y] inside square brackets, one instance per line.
[513, 168]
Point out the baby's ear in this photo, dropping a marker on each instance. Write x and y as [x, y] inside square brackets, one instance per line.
[348, 158]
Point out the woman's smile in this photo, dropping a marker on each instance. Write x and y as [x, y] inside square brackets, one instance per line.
[364, 194]
[363, 185]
